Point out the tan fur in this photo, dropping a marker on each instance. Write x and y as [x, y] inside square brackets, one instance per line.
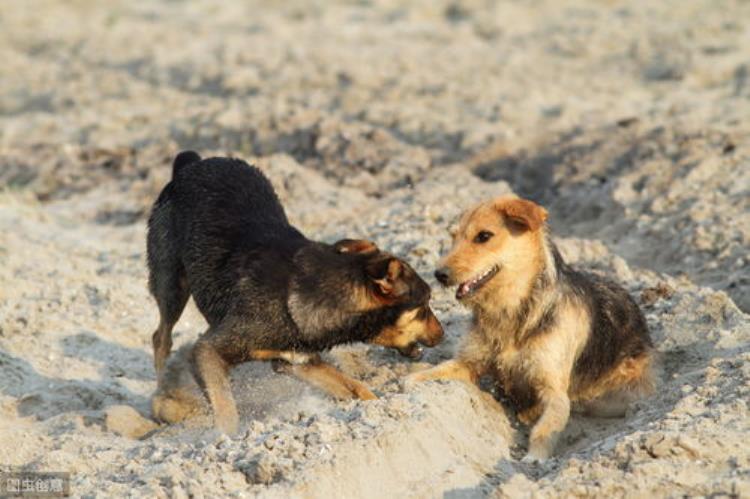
[409, 328]
[288, 356]
[451, 369]
[214, 372]
[178, 397]
[175, 406]
[501, 343]
[162, 342]
[520, 257]
[162, 338]
[391, 288]
[329, 379]
[521, 211]
[530, 415]
[356, 246]
[633, 375]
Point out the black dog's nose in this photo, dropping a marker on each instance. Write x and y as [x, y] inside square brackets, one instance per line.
[442, 276]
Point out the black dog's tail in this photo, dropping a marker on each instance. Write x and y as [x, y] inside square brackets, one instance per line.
[183, 159]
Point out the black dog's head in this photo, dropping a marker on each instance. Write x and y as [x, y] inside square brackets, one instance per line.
[398, 296]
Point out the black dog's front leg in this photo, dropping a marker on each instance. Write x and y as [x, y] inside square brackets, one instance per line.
[327, 378]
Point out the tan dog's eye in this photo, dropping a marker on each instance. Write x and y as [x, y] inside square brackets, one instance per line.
[483, 236]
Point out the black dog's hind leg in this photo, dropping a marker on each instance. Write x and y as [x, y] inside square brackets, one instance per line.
[211, 372]
[167, 281]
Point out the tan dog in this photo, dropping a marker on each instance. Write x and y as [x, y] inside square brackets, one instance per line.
[548, 333]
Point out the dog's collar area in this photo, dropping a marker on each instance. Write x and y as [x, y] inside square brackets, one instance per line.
[468, 288]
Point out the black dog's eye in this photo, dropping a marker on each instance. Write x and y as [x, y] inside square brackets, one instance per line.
[483, 237]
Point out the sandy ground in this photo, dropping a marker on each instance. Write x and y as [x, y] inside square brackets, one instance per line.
[628, 120]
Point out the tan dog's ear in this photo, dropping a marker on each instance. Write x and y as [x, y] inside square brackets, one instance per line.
[386, 273]
[522, 212]
[355, 246]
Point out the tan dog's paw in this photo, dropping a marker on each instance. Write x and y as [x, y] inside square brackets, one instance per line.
[410, 380]
[531, 459]
[538, 453]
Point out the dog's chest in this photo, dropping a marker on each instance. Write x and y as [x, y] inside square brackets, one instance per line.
[509, 359]
[512, 363]
[498, 340]
[514, 367]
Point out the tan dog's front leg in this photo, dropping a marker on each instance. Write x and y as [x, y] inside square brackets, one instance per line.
[555, 408]
[211, 372]
[329, 379]
[451, 369]
[530, 415]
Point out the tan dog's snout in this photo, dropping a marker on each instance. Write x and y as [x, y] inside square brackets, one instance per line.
[444, 276]
[492, 236]
[450, 269]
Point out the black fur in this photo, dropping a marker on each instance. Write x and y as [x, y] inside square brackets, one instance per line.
[618, 328]
[521, 393]
[219, 233]
[546, 321]
[183, 159]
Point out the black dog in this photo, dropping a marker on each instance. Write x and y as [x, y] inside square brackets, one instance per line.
[219, 233]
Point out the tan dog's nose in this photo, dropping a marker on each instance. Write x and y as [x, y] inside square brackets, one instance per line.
[443, 275]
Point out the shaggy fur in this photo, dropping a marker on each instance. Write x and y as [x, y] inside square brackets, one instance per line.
[548, 333]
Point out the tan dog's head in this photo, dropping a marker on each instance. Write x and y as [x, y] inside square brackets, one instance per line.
[401, 295]
[498, 237]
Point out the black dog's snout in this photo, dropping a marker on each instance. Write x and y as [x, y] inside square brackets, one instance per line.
[442, 276]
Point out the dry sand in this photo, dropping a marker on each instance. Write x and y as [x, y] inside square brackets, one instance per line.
[628, 120]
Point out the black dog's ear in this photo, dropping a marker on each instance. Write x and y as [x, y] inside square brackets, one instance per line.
[182, 160]
[387, 273]
[362, 246]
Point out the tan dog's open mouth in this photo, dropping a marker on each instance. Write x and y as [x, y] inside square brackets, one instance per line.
[468, 288]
